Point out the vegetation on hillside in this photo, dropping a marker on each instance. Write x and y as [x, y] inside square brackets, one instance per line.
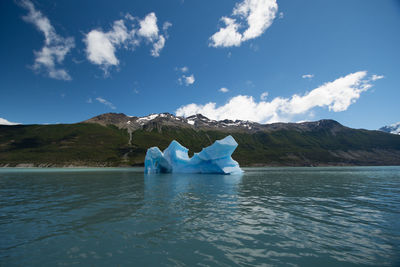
[89, 144]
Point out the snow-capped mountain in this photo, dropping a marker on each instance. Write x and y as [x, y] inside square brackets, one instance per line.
[393, 129]
[116, 139]
[200, 122]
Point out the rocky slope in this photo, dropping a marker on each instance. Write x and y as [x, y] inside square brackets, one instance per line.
[119, 140]
[393, 129]
[200, 122]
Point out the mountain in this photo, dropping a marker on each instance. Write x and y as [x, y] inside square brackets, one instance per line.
[113, 139]
[393, 129]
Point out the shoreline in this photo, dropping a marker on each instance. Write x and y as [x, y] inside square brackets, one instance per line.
[104, 166]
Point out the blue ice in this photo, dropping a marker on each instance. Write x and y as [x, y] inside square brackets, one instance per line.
[213, 159]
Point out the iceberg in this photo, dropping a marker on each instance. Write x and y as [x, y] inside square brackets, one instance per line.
[175, 159]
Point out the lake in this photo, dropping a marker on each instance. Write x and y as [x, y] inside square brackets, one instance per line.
[268, 216]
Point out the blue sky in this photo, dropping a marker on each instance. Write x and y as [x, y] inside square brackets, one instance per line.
[67, 61]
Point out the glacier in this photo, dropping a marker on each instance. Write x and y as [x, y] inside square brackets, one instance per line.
[175, 159]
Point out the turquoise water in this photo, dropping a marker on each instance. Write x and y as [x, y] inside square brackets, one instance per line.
[267, 216]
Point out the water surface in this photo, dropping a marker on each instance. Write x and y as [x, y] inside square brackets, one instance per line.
[267, 216]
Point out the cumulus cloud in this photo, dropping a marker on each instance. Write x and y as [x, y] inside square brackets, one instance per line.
[6, 122]
[256, 16]
[228, 36]
[336, 96]
[105, 102]
[55, 47]
[185, 79]
[100, 48]
[307, 76]
[126, 33]
[224, 90]
[148, 27]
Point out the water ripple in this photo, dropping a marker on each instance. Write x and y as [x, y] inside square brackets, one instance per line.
[267, 217]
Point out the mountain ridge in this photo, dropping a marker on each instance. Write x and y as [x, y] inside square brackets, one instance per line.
[115, 139]
[393, 128]
[200, 121]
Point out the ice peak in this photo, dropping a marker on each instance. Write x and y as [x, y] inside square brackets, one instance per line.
[212, 159]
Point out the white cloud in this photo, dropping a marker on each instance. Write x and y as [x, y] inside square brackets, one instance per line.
[189, 79]
[166, 25]
[377, 77]
[100, 50]
[6, 122]
[307, 76]
[89, 101]
[281, 15]
[55, 47]
[158, 46]
[129, 17]
[253, 15]
[148, 27]
[264, 96]
[101, 46]
[149, 30]
[336, 96]
[165, 28]
[224, 90]
[185, 79]
[228, 36]
[119, 33]
[105, 102]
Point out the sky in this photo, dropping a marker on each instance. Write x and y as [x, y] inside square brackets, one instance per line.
[259, 60]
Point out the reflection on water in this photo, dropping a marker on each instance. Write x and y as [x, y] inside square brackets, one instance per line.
[273, 216]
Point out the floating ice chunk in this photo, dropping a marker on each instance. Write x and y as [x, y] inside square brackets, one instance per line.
[220, 149]
[213, 159]
[155, 161]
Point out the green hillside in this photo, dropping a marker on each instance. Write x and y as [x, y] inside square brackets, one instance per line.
[90, 144]
[61, 144]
